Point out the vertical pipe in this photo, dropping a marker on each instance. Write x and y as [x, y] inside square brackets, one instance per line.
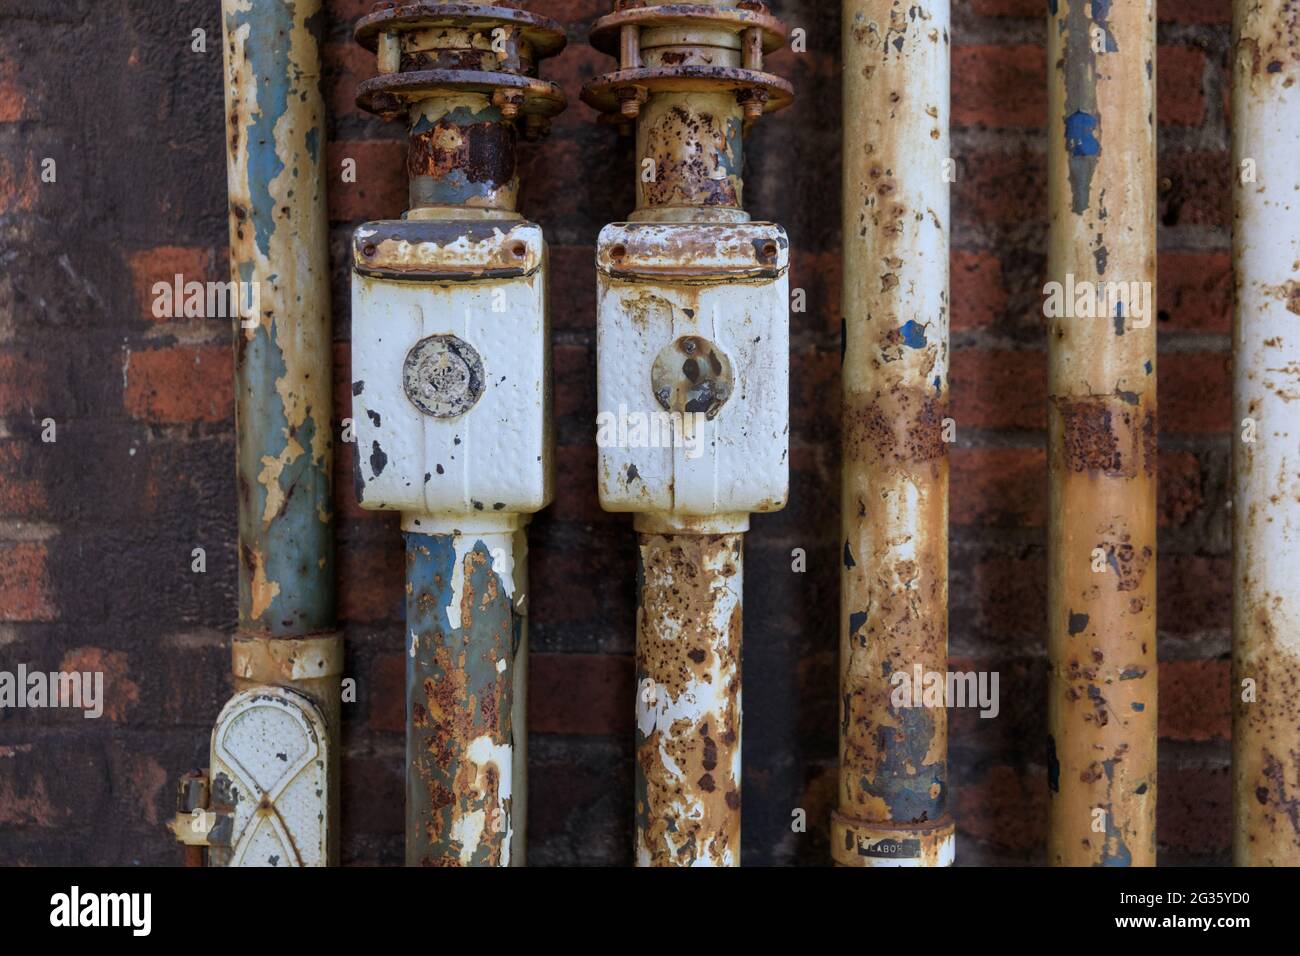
[1102, 433]
[893, 784]
[691, 76]
[688, 653]
[1266, 513]
[279, 252]
[465, 80]
[462, 638]
[695, 142]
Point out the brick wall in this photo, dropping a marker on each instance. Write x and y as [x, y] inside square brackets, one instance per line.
[97, 528]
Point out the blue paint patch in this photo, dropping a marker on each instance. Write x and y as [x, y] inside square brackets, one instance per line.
[1139, 707]
[1149, 367]
[914, 335]
[1051, 5]
[268, 55]
[938, 385]
[1080, 138]
[313, 144]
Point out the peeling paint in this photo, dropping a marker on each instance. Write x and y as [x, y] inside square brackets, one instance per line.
[1102, 428]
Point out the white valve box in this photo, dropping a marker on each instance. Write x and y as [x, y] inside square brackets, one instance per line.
[693, 326]
[270, 767]
[451, 367]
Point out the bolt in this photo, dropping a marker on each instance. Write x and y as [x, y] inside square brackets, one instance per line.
[508, 102]
[630, 99]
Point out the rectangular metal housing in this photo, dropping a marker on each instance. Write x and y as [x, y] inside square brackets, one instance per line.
[483, 282]
[727, 286]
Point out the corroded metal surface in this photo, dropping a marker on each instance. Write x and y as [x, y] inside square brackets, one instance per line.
[681, 438]
[275, 142]
[1102, 436]
[462, 152]
[462, 638]
[693, 331]
[451, 388]
[893, 785]
[688, 656]
[271, 764]
[275, 121]
[1266, 513]
[696, 146]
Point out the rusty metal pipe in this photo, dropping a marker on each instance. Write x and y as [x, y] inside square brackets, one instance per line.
[693, 334]
[893, 784]
[286, 657]
[465, 637]
[1266, 503]
[451, 370]
[688, 672]
[1102, 434]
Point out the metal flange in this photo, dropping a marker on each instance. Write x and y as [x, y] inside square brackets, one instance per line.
[390, 95]
[430, 49]
[633, 13]
[607, 93]
[544, 35]
[688, 48]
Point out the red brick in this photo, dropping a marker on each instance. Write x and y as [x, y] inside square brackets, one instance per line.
[26, 593]
[999, 86]
[163, 264]
[1180, 93]
[1195, 291]
[998, 388]
[1196, 189]
[576, 498]
[1195, 700]
[1007, 594]
[1009, 8]
[346, 65]
[180, 383]
[815, 394]
[24, 797]
[18, 184]
[1196, 11]
[820, 275]
[580, 694]
[1194, 593]
[573, 287]
[1180, 488]
[387, 693]
[561, 587]
[348, 11]
[999, 487]
[21, 495]
[1195, 392]
[380, 189]
[995, 188]
[573, 379]
[979, 295]
[24, 382]
[13, 99]
[120, 691]
[1005, 808]
[1195, 805]
[371, 579]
